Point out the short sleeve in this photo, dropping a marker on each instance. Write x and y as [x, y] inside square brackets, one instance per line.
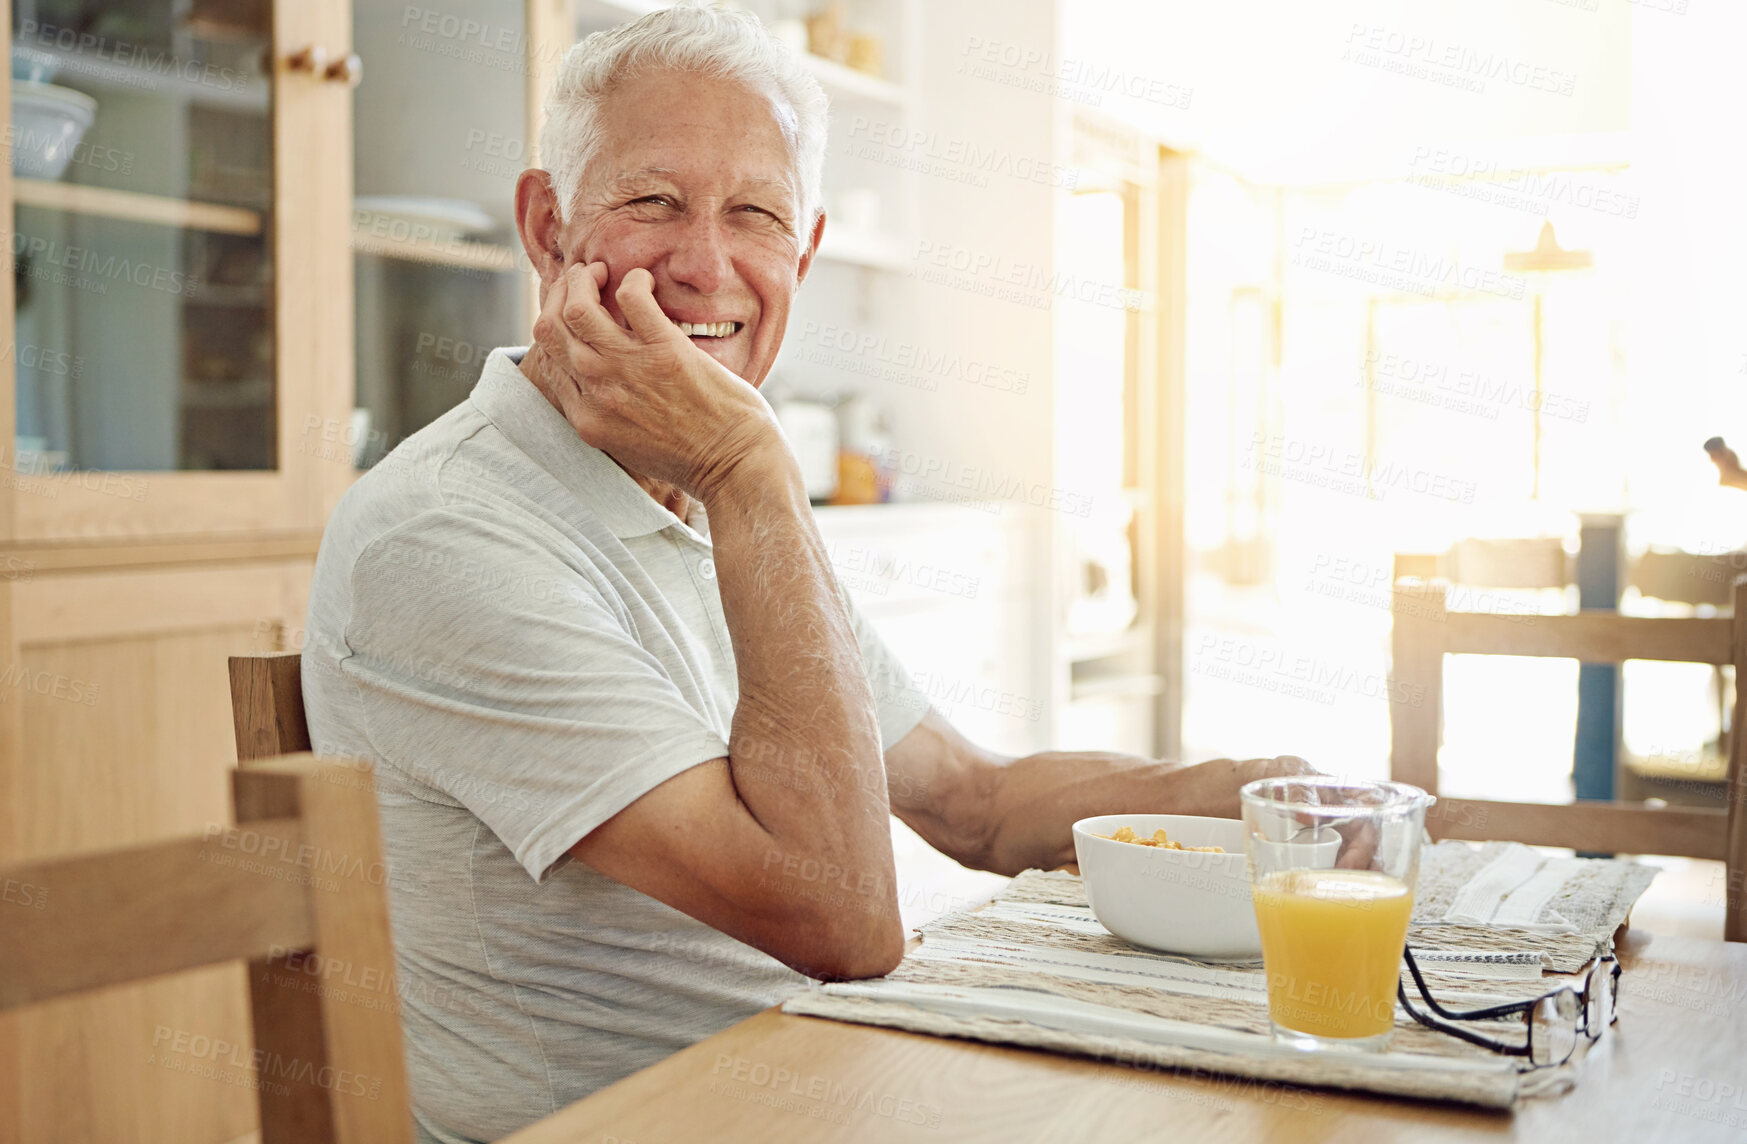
[493, 671]
[900, 705]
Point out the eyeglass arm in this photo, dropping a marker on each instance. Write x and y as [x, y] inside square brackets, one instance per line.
[1456, 1030]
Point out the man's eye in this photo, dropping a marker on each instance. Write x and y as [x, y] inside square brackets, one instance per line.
[658, 200]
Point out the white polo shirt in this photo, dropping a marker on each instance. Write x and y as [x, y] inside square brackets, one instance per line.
[523, 642]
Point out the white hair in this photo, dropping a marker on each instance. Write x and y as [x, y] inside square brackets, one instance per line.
[729, 45]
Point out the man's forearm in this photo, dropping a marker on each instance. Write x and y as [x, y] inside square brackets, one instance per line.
[805, 746]
[1033, 802]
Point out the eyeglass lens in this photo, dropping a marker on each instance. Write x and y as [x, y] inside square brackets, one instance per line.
[1603, 988]
[1553, 1028]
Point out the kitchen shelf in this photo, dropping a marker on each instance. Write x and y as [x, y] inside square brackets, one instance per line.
[1117, 687]
[846, 83]
[1079, 649]
[839, 81]
[864, 248]
[161, 209]
[459, 255]
[217, 295]
[234, 91]
[249, 393]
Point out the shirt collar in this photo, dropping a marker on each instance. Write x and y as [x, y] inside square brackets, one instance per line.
[523, 415]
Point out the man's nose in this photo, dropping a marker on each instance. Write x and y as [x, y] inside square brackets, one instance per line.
[701, 258]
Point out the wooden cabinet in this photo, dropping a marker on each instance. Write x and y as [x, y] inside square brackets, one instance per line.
[116, 718]
[178, 346]
[214, 318]
[181, 320]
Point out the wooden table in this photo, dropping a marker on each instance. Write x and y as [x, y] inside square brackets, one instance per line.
[1674, 1068]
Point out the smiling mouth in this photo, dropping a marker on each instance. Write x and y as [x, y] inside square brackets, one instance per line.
[710, 329]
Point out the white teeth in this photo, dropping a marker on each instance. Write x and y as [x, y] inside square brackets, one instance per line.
[707, 329]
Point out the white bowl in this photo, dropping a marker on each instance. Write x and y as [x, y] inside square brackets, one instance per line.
[1178, 901]
[47, 124]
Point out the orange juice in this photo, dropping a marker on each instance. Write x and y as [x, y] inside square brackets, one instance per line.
[1331, 945]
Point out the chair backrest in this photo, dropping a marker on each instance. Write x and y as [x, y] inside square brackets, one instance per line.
[1687, 577]
[1425, 631]
[299, 878]
[1507, 563]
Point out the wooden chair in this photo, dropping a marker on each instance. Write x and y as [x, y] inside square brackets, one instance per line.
[1694, 580]
[302, 871]
[1425, 631]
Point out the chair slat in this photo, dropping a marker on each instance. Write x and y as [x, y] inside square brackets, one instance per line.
[1593, 637]
[1627, 828]
[142, 911]
[1735, 785]
[345, 1023]
[267, 705]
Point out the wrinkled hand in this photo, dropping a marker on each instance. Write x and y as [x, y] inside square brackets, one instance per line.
[1223, 778]
[644, 394]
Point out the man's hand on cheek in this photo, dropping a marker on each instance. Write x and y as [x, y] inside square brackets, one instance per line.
[641, 391]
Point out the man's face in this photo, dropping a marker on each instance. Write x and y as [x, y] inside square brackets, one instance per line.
[694, 183]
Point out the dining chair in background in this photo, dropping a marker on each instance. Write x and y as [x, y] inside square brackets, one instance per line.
[301, 871]
[1691, 581]
[1425, 631]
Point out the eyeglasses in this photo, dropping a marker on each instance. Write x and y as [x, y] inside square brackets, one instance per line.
[1553, 1020]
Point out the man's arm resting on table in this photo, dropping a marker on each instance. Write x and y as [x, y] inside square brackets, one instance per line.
[991, 812]
[786, 844]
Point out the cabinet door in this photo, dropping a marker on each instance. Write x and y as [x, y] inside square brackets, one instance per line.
[180, 182]
[116, 726]
[442, 129]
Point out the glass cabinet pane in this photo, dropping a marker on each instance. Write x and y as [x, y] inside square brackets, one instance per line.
[142, 159]
[439, 137]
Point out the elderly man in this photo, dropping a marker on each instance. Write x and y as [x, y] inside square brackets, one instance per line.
[635, 751]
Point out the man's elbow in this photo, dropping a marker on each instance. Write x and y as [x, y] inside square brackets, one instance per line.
[849, 949]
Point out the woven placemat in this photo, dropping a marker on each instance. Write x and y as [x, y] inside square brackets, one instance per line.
[1034, 968]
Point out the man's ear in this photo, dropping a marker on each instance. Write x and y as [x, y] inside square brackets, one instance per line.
[539, 224]
[811, 251]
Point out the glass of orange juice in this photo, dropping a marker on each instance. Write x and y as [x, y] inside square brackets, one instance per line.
[1332, 868]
